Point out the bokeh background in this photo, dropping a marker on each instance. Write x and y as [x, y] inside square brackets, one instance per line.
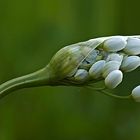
[31, 31]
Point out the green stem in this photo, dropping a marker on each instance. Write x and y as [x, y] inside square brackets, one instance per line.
[96, 88]
[115, 96]
[38, 78]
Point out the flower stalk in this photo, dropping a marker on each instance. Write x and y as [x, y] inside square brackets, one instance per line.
[39, 78]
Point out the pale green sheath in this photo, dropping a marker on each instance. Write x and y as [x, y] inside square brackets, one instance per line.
[81, 64]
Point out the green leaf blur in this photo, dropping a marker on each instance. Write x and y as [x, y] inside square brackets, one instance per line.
[31, 32]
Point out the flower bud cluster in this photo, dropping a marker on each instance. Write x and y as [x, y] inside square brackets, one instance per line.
[108, 60]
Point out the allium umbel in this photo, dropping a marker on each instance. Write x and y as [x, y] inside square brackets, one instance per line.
[84, 64]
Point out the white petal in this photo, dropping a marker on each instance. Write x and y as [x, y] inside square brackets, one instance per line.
[81, 75]
[113, 79]
[96, 69]
[114, 44]
[133, 46]
[110, 66]
[136, 94]
[130, 63]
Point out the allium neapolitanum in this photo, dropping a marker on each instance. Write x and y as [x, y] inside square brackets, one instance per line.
[103, 59]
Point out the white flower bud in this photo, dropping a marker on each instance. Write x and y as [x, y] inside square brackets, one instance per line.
[110, 66]
[96, 69]
[115, 57]
[113, 79]
[130, 63]
[81, 75]
[133, 46]
[114, 44]
[136, 94]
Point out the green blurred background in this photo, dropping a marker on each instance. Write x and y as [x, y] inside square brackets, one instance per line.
[31, 31]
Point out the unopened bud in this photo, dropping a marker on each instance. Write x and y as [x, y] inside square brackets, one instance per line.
[115, 57]
[130, 63]
[114, 44]
[81, 75]
[113, 79]
[110, 66]
[96, 69]
[133, 46]
[136, 94]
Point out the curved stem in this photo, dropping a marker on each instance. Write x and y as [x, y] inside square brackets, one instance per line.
[115, 96]
[38, 78]
[96, 88]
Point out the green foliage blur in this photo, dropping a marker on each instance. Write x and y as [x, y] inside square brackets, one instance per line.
[31, 32]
